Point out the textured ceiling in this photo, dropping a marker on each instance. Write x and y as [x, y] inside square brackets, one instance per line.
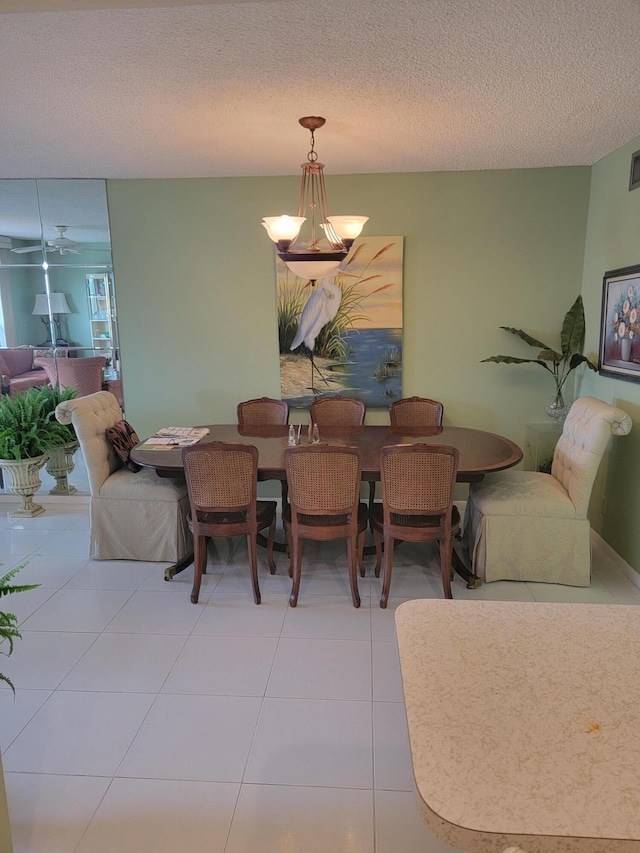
[406, 85]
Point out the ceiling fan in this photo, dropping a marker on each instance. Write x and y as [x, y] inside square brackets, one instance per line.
[61, 244]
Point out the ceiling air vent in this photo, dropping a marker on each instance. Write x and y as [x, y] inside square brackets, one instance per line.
[634, 178]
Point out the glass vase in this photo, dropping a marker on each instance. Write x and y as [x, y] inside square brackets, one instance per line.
[557, 408]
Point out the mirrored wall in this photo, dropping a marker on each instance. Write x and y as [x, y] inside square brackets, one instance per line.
[57, 292]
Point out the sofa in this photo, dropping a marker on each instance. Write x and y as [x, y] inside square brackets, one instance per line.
[18, 370]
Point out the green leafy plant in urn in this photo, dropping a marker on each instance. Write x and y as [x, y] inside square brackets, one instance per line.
[60, 462]
[558, 364]
[28, 432]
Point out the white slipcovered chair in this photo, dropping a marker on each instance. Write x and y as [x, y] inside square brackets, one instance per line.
[530, 526]
[133, 515]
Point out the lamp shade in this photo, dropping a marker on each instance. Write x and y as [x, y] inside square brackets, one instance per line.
[58, 304]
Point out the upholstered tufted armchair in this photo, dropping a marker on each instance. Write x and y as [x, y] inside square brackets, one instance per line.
[530, 526]
[134, 516]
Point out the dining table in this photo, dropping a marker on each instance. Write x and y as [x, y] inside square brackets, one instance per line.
[480, 453]
[523, 723]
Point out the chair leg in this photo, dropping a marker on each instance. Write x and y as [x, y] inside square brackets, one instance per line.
[361, 553]
[352, 554]
[377, 538]
[388, 568]
[290, 550]
[252, 544]
[199, 564]
[446, 547]
[272, 531]
[296, 560]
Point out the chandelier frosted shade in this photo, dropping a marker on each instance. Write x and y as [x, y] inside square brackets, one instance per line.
[313, 269]
[347, 227]
[283, 230]
[313, 261]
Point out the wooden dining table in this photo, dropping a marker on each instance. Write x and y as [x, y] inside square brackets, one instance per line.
[480, 453]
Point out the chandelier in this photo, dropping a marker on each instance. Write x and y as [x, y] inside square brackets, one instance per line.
[313, 261]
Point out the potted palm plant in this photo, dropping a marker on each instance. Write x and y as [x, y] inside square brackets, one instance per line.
[28, 431]
[60, 462]
[558, 364]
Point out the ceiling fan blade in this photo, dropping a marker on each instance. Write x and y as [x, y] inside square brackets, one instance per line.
[22, 249]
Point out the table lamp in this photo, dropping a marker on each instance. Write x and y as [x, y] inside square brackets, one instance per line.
[58, 306]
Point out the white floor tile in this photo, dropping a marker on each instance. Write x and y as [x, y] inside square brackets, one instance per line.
[274, 819]
[125, 663]
[111, 574]
[400, 827]
[41, 659]
[48, 814]
[223, 666]
[157, 613]
[237, 578]
[50, 572]
[392, 767]
[23, 606]
[200, 738]
[69, 543]
[313, 742]
[79, 734]
[78, 610]
[21, 542]
[50, 520]
[387, 678]
[321, 669]
[597, 593]
[154, 815]
[233, 615]
[328, 616]
[16, 711]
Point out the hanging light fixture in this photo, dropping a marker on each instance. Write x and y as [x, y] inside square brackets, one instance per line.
[313, 262]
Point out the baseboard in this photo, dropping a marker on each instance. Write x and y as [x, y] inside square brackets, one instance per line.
[618, 561]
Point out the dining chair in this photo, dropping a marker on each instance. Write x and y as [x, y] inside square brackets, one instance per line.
[416, 412]
[324, 504]
[533, 526]
[222, 480]
[263, 410]
[417, 505]
[337, 411]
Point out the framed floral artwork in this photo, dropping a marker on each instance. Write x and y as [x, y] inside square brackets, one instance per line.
[620, 324]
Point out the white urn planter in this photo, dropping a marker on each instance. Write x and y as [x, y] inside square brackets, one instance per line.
[59, 465]
[22, 476]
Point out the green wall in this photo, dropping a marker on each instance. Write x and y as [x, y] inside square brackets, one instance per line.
[612, 243]
[195, 286]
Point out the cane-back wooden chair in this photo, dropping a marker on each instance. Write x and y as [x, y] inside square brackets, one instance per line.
[417, 505]
[416, 412]
[337, 411]
[222, 485]
[324, 504]
[263, 410]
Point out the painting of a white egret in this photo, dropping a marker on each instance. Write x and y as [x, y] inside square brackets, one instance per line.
[343, 334]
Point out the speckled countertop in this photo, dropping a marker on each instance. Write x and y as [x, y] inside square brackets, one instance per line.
[524, 721]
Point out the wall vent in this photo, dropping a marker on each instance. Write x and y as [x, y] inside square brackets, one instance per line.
[634, 178]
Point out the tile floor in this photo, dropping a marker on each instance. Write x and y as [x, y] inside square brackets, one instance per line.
[144, 723]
